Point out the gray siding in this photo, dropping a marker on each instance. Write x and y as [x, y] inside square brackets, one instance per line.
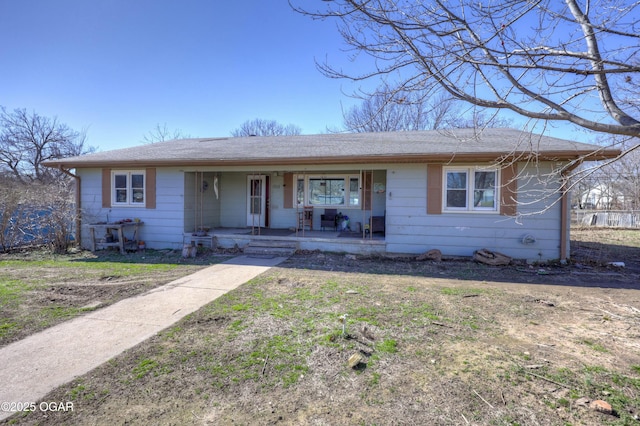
[233, 198]
[411, 230]
[280, 217]
[163, 225]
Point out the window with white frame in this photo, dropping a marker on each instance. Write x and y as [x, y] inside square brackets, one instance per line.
[128, 188]
[329, 190]
[470, 189]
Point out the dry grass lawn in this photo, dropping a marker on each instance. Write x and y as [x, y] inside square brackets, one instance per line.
[449, 343]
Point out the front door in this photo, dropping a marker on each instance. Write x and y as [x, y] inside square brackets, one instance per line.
[256, 200]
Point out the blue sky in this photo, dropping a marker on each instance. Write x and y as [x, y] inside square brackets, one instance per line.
[118, 68]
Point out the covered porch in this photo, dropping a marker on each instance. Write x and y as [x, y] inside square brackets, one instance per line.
[336, 210]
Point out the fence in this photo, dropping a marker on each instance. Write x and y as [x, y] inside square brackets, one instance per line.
[606, 218]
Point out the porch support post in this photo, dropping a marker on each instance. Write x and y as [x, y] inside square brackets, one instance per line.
[364, 214]
[564, 227]
[295, 200]
[565, 219]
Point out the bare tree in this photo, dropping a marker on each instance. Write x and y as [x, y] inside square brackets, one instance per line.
[27, 139]
[10, 216]
[36, 214]
[261, 127]
[36, 202]
[162, 133]
[389, 110]
[628, 178]
[615, 185]
[549, 60]
[481, 119]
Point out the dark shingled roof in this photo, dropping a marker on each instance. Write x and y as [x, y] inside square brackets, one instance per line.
[342, 148]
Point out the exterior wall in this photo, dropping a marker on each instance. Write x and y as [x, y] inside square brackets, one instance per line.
[411, 230]
[162, 226]
[280, 217]
[233, 199]
[378, 202]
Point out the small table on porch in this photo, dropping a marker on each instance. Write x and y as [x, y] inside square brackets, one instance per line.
[105, 229]
[195, 240]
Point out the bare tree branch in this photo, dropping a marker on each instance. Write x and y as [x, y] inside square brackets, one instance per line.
[261, 127]
[29, 139]
[161, 133]
[400, 109]
[542, 59]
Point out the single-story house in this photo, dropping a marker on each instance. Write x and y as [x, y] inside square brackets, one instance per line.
[402, 192]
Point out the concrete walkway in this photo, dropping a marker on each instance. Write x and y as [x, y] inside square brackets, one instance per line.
[34, 366]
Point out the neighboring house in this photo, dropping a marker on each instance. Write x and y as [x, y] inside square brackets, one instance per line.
[456, 190]
[601, 197]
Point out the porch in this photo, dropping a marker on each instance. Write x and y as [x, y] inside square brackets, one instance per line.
[331, 241]
[238, 208]
[273, 199]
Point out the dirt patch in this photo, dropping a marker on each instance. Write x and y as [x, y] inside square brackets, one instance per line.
[441, 343]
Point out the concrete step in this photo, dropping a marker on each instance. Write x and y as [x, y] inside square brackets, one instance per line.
[270, 243]
[270, 248]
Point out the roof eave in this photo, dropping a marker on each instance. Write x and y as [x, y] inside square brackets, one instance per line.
[370, 159]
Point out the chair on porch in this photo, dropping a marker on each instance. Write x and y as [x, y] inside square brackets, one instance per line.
[305, 218]
[328, 219]
[376, 224]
